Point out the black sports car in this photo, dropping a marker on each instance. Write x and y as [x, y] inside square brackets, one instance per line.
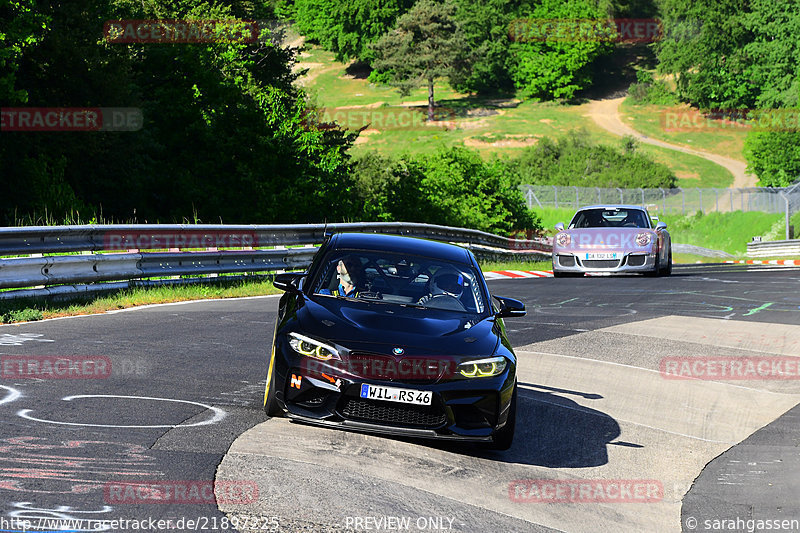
[394, 335]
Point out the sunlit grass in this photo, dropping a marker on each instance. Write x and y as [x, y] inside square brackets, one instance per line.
[27, 309]
[684, 126]
[497, 126]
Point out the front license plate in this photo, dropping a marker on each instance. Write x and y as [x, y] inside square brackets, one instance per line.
[390, 394]
[608, 255]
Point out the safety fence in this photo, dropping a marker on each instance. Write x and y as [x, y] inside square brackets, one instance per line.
[678, 200]
[67, 260]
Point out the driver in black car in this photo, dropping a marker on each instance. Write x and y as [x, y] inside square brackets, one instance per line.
[444, 283]
[348, 271]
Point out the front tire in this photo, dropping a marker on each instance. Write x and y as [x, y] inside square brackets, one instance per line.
[668, 270]
[271, 406]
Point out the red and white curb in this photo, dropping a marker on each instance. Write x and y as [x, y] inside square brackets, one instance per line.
[786, 262]
[505, 274]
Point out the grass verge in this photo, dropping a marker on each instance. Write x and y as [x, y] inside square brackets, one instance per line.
[24, 310]
[491, 266]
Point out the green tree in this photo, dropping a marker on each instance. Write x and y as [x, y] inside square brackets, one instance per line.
[773, 156]
[574, 160]
[224, 136]
[453, 187]
[485, 29]
[348, 28]
[426, 44]
[774, 52]
[705, 45]
[21, 27]
[552, 65]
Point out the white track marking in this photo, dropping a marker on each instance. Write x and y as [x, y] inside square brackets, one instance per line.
[219, 414]
[12, 395]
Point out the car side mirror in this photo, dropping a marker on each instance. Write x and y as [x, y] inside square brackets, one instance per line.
[509, 307]
[288, 282]
[661, 225]
[560, 226]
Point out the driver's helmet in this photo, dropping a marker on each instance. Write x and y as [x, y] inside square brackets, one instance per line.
[448, 282]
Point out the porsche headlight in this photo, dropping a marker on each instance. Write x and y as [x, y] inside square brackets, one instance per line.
[312, 348]
[563, 239]
[643, 239]
[483, 368]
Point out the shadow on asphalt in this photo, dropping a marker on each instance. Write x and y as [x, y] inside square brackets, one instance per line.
[552, 431]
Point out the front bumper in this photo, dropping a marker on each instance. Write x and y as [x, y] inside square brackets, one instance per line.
[461, 409]
[630, 262]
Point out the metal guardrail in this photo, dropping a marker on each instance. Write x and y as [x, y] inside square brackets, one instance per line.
[785, 248]
[88, 270]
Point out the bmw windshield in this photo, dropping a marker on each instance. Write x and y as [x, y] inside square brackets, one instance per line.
[402, 279]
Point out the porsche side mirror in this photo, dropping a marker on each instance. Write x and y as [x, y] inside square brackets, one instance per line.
[560, 226]
[661, 225]
[509, 307]
[288, 281]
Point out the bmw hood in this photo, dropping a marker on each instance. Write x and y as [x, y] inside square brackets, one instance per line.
[379, 327]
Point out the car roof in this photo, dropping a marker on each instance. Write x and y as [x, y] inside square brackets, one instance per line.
[613, 206]
[401, 244]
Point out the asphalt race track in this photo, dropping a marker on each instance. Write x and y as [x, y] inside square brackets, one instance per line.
[181, 407]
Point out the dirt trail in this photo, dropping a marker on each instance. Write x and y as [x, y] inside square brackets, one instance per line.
[606, 114]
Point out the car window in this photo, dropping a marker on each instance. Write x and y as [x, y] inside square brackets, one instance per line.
[610, 218]
[392, 278]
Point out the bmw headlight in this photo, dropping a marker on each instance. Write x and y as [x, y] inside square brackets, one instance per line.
[563, 239]
[483, 368]
[312, 348]
[643, 239]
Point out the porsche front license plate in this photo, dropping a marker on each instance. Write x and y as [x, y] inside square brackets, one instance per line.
[609, 255]
[415, 397]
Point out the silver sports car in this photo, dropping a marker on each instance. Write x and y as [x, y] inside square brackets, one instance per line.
[612, 238]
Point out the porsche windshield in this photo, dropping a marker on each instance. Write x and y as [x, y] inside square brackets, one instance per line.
[401, 279]
[610, 218]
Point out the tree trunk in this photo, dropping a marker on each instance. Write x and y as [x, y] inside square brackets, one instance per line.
[430, 99]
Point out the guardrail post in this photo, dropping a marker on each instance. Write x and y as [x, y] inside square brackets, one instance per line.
[577, 197]
[663, 199]
[620, 196]
[599, 201]
[788, 218]
[716, 199]
[642, 191]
